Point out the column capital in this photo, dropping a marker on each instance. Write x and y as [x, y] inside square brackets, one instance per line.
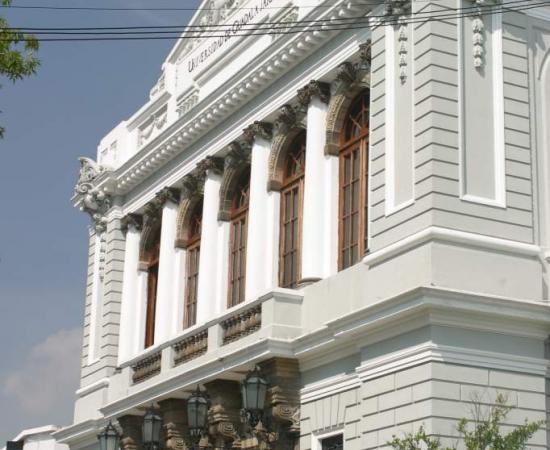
[365, 55]
[286, 119]
[192, 185]
[167, 194]
[210, 163]
[263, 130]
[131, 220]
[237, 154]
[314, 88]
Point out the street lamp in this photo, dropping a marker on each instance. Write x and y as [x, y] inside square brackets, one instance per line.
[254, 391]
[152, 423]
[197, 414]
[109, 439]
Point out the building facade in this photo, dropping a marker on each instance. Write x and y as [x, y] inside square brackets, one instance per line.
[356, 203]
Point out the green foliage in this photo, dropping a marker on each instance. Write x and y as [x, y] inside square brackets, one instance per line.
[485, 435]
[17, 53]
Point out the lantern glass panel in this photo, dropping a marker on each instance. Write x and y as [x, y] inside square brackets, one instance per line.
[147, 431]
[151, 428]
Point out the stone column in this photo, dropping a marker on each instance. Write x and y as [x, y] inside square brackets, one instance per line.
[131, 432]
[174, 418]
[315, 248]
[208, 301]
[166, 298]
[131, 225]
[261, 247]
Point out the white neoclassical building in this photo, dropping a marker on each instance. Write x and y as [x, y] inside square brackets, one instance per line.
[357, 203]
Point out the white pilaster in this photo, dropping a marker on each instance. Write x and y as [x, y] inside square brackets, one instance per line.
[129, 310]
[166, 290]
[179, 289]
[207, 301]
[260, 244]
[138, 343]
[315, 248]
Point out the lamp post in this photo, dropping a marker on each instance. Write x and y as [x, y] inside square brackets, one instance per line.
[197, 416]
[109, 438]
[152, 423]
[254, 391]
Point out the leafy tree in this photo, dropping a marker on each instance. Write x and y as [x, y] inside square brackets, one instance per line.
[486, 433]
[17, 53]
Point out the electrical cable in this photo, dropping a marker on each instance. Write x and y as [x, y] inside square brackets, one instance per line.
[225, 27]
[284, 28]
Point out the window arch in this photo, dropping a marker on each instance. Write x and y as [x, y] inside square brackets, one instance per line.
[353, 178]
[292, 195]
[193, 242]
[150, 261]
[238, 238]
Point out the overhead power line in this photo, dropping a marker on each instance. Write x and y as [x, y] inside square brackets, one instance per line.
[285, 24]
[283, 29]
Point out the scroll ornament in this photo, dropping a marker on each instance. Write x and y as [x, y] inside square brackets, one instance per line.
[94, 202]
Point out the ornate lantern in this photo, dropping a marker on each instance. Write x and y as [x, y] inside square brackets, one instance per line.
[109, 439]
[254, 391]
[197, 413]
[152, 424]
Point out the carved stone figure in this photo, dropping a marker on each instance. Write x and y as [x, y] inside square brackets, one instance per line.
[89, 171]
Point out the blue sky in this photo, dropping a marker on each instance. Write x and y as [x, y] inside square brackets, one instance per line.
[81, 91]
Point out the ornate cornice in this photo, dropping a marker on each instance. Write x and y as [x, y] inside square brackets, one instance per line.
[314, 88]
[263, 130]
[134, 220]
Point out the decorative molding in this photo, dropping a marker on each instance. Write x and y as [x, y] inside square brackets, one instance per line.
[96, 386]
[190, 347]
[328, 388]
[397, 8]
[158, 88]
[314, 88]
[452, 237]
[156, 121]
[186, 102]
[263, 130]
[241, 324]
[432, 352]
[89, 171]
[402, 44]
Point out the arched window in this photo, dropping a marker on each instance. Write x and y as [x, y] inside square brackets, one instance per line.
[152, 254]
[353, 183]
[292, 195]
[194, 228]
[237, 245]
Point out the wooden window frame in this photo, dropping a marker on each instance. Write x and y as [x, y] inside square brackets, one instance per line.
[239, 218]
[294, 182]
[193, 250]
[152, 292]
[347, 147]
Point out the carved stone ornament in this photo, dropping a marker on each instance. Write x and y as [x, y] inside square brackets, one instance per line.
[167, 194]
[89, 171]
[210, 163]
[314, 89]
[192, 185]
[478, 31]
[131, 432]
[397, 8]
[286, 119]
[346, 73]
[131, 220]
[365, 55]
[262, 130]
[237, 155]
[93, 201]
